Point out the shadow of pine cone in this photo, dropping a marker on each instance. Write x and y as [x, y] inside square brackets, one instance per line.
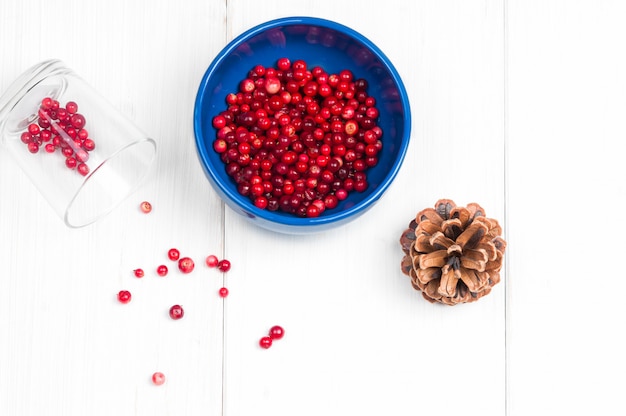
[453, 254]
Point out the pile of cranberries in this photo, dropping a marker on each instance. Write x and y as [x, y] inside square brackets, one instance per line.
[298, 140]
[63, 129]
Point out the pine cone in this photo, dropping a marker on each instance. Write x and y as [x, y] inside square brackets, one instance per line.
[453, 254]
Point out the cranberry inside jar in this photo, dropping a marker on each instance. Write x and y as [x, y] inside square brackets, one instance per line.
[298, 139]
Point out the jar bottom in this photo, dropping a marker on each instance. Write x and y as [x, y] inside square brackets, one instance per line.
[110, 183]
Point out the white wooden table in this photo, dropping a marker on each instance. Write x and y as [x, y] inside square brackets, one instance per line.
[517, 105]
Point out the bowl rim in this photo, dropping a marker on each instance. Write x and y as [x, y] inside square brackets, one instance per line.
[244, 203]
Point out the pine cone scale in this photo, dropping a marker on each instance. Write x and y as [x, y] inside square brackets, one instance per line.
[474, 259]
[433, 259]
[472, 235]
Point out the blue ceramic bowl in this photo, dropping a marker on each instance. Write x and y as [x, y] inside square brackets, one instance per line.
[318, 42]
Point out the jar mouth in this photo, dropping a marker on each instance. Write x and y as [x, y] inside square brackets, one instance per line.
[19, 103]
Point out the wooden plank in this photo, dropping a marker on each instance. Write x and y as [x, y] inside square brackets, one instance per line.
[66, 345]
[566, 89]
[359, 339]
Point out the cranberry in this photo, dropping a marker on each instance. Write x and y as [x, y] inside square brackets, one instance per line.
[71, 107]
[265, 342]
[33, 129]
[34, 147]
[313, 211]
[223, 265]
[77, 121]
[146, 207]
[272, 86]
[212, 260]
[162, 270]
[283, 64]
[46, 103]
[124, 296]
[139, 273]
[223, 292]
[158, 378]
[88, 144]
[26, 137]
[173, 254]
[186, 265]
[276, 332]
[83, 169]
[176, 312]
[71, 162]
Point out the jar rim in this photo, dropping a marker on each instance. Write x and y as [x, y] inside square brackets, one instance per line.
[25, 82]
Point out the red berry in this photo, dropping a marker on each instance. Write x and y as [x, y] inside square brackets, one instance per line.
[212, 261]
[88, 144]
[220, 145]
[71, 107]
[272, 85]
[71, 162]
[124, 296]
[138, 273]
[146, 207]
[176, 312]
[33, 129]
[33, 147]
[162, 270]
[312, 211]
[173, 254]
[83, 169]
[276, 332]
[283, 64]
[223, 292]
[223, 265]
[158, 378]
[186, 265]
[46, 103]
[77, 121]
[219, 122]
[265, 342]
[26, 137]
[247, 86]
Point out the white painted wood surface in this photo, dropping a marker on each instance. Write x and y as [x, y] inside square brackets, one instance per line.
[517, 105]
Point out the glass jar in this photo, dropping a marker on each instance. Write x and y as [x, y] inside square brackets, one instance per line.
[83, 155]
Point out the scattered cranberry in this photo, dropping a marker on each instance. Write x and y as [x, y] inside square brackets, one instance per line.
[173, 254]
[265, 342]
[145, 207]
[176, 312]
[223, 265]
[276, 332]
[138, 273]
[158, 378]
[223, 292]
[162, 270]
[308, 135]
[212, 261]
[124, 296]
[186, 265]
